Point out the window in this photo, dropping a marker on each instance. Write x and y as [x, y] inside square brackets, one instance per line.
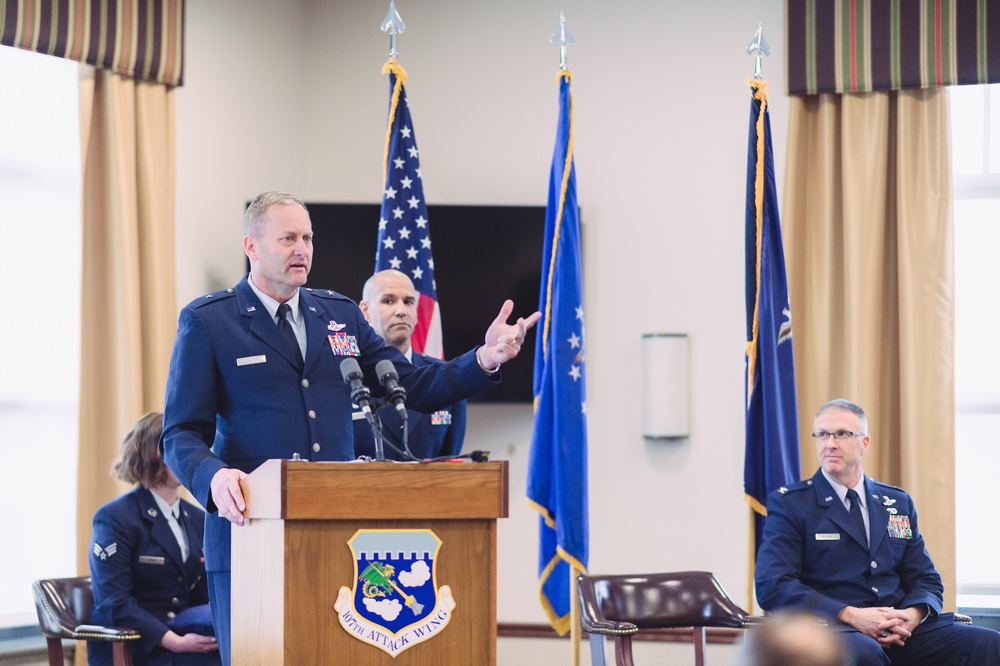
[39, 356]
[975, 112]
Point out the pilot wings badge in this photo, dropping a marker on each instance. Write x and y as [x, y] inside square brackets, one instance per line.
[395, 603]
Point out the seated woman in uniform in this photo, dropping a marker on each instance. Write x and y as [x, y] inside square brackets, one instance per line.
[146, 562]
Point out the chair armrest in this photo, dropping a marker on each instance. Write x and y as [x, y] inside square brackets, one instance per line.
[754, 621]
[608, 627]
[93, 632]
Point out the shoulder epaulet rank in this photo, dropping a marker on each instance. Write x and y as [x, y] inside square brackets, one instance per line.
[327, 293]
[213, 297]
[793, 487]
[887, 485]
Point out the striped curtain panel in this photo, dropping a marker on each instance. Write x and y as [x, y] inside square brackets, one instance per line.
[856, 46]
[137, 38]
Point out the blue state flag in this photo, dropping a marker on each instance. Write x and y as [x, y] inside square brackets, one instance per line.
[557, 467]
[772, 441]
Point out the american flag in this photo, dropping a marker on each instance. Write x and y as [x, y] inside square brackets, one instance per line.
[404, 233]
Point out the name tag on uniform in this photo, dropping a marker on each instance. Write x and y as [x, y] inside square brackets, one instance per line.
[822, 536]
[149, 559]
[251, 360]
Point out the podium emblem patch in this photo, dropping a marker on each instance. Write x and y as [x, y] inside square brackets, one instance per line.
[395, 602]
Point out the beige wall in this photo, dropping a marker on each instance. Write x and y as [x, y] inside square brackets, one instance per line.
[289, 95]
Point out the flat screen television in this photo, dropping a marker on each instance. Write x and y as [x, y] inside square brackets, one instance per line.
[482, 255]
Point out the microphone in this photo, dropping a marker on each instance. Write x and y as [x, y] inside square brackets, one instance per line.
[395, 393]
[360, 395]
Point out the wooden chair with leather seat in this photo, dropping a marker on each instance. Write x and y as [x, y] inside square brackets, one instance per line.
[63, 606]
[621, 606]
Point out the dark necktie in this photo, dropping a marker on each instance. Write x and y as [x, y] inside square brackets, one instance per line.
[179, 517]
[852, 495]
[285, 327]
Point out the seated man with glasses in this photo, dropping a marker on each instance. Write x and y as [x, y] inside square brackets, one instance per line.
[848, 548]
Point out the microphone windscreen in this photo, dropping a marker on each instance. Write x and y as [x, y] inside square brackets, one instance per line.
[384, 369]
[349, 369]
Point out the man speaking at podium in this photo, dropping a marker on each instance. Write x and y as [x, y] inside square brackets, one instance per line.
[389, 303]
[255, 374]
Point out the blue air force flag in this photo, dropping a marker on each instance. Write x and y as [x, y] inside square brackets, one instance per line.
[557, 467]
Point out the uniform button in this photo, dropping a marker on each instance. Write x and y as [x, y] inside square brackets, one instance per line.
[171, 614]
[229, 291]
[316, 447]
[180, 579]
[174, 601]
[305, 383]
[875, 590]
[809, 482]
[874, 564]
[312, 413]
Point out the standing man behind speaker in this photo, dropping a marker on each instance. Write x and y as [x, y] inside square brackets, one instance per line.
[389, 303]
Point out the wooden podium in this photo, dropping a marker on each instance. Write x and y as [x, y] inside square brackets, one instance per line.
[292, 559]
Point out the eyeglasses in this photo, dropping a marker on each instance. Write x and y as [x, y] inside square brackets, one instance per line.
[823, 435]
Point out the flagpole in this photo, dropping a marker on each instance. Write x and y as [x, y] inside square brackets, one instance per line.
[574, 617]
[563, 38]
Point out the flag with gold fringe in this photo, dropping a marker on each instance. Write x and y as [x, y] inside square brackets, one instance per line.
[404, 232]
[772, 441]
[557, 466]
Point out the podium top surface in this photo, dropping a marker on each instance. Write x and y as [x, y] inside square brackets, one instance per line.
[299, 490]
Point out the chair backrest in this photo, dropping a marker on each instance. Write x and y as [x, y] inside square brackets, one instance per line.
[63, 604]
[664, 600]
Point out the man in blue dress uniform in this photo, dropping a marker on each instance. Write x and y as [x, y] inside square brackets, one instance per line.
[848, 548]
[389, 303]
[255, 374]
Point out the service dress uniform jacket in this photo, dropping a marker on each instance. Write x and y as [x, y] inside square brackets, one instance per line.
[237, 394]
[814, 557]
[428, 435]
[139, 579]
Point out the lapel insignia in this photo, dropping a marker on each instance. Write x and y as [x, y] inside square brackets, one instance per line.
[105, 553]
[151, 512]
[334, 326]
[782, 490]
[828, 499]
[396, 602]
[312, 309]
[252, 308]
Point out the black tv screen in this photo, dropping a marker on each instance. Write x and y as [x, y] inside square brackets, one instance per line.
[482, 255]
